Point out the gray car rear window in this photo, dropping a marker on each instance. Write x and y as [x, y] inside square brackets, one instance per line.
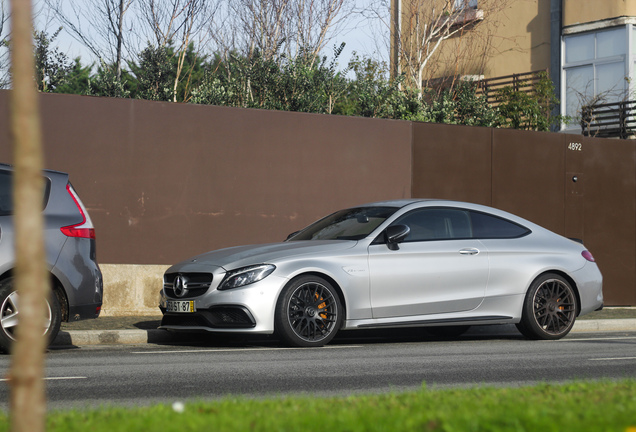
[6, 192]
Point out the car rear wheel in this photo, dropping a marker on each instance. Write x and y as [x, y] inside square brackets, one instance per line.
[549, 309]
[308, 312]
[10, 311]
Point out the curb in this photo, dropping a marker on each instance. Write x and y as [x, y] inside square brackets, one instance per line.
[604, 325]
[112, 337]
[122, 337]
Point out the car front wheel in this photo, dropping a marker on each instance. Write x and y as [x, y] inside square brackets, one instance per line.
[10, 311]
[308, 312]
[549, 309]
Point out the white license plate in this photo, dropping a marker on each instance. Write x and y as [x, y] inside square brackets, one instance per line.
[180, 306]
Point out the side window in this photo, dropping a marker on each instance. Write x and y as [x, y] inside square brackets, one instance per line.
[6, 192]
[486, 226]
[436, 224]
[6, 201]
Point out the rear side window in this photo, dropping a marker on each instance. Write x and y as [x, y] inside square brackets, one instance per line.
[487, 226]
[442, 223]
[6, 200]
[6, 192]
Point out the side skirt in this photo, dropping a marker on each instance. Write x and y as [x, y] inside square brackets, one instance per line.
[495, 319]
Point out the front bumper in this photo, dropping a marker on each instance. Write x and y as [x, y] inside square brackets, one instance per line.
[216, 317]
[247, 309]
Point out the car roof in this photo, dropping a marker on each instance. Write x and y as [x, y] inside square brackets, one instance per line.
[396, 203]
[11, 167]
[405, 202]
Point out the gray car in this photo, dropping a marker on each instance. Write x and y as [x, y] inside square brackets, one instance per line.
[437, 264]
[76, 279]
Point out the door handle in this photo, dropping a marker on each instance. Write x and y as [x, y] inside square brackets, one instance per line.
[469, 251]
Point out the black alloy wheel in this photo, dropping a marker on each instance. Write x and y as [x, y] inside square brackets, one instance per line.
[550, 308]
[308, 312]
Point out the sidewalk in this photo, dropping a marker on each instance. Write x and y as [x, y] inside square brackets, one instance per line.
[143, 329]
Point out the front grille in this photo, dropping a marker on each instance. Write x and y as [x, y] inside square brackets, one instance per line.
[195, 284]
[215, 317]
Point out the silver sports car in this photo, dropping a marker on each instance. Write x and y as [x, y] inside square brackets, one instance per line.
[412, 263]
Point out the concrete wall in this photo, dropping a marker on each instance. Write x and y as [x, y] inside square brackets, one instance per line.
[132, 290]
[585, 11]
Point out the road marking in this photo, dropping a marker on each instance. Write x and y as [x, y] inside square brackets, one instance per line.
[613, 358]
[236, 350]
[51, 378]
[594, 339]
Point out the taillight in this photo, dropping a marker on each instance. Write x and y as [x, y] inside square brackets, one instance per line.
[588, 256]
[84, 229]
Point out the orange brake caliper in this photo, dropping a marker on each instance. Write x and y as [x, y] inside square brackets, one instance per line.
[321, 306]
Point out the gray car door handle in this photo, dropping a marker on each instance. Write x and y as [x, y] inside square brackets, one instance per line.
[469, 251]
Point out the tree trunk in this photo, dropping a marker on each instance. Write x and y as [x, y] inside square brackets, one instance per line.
[27, 404]
[120, 37]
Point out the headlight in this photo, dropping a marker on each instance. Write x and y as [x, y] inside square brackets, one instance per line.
[245, 276]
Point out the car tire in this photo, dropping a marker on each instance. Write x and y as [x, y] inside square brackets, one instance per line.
[447, 331]
[549, 309]
[9, 311]
[308, 312]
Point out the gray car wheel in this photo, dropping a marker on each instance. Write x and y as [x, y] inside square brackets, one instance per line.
[549, 309]
[10, 311]
[308, 312]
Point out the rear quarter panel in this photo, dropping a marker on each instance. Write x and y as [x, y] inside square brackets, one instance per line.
[515, 263]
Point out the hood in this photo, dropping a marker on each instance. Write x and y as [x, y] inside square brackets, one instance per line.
[241, 256]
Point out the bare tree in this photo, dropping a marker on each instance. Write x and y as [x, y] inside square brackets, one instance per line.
[28, 405]
[275, 27]
[97, 24]
[419, 28]
[177, 23]
[4, 45]
[172, 21]
[316, 21]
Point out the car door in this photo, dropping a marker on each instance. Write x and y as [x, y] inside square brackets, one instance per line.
[439, 268]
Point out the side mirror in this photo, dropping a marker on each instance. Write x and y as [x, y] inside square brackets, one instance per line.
[291, 235]
[395, 234]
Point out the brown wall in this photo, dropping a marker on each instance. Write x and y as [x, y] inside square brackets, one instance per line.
[531, 174]
[165, 181]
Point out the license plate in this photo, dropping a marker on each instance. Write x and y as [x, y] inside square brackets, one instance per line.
[180, 306]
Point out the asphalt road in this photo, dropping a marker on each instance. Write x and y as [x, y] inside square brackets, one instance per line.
[146, 374]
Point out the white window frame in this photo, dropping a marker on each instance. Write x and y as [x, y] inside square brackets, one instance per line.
[627, 59]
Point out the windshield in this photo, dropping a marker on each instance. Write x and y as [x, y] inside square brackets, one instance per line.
[349, 224]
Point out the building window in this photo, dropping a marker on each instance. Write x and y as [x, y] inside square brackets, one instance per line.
[596, 67]
[464, 4]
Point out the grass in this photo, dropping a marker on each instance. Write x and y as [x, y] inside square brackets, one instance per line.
[580, 406]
